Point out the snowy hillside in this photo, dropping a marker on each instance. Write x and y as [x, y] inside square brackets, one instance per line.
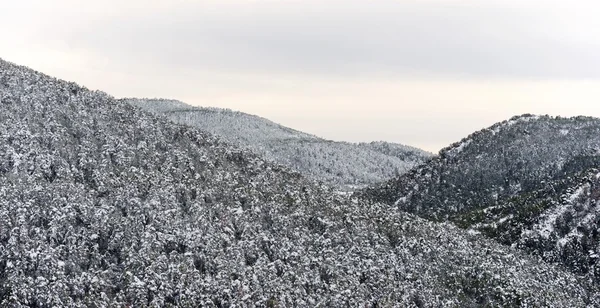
[102, 204]
[492, 165]
[524, 182]
[559, 223]
[344, 165]
[568, 230]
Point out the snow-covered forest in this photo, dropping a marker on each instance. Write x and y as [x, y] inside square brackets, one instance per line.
[345, 165]
[103, 204]
[529, 182]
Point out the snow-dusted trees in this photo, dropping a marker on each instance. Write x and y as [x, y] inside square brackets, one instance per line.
[344, 165]
[503, 181]
[104, 205]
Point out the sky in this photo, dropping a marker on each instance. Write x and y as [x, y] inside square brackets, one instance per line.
[420, 72]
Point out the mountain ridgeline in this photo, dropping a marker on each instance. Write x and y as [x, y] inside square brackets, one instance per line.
[344, 165]
[103, 204]
[529, 182]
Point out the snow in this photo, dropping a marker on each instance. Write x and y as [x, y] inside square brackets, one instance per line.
[513, 122]
[401, 200]
[505, 218]
[548, 221]
[565, 239]
[473, 232]
[137, 282]
[460, 147]
[579, 193]
[546, 227]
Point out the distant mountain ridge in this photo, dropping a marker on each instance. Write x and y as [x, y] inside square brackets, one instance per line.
[342, 164]
[103, 204]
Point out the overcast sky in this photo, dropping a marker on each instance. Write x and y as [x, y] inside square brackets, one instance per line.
[419, 72]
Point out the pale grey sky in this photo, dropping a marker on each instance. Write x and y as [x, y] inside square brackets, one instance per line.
[419, 72]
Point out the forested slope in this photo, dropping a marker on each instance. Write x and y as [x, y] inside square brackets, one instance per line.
[341, 164]
[528, 182]
[104, 205]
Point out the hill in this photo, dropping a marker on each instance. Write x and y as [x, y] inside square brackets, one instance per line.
[105, 205]
[344, 165]
[507, 181]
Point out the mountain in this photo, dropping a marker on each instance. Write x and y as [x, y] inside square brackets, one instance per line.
[102, 204]
[512, 182]
[342, 164]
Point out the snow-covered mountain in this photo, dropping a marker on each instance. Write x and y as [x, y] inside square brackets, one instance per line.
[102, 204]
[525, 182]
[342, 164]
